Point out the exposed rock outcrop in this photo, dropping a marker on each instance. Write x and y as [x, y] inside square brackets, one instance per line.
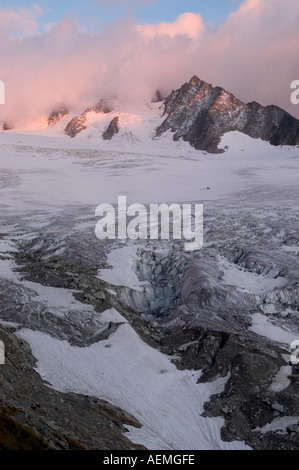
[79, 123]
[76, 125]
[201, 114]
[102, 106]
[7, 127]
[157, 97]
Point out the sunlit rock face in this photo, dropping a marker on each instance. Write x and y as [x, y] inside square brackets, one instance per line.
[57, 114]
[79, 123]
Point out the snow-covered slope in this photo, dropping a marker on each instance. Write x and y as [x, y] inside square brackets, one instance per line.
[46, 167]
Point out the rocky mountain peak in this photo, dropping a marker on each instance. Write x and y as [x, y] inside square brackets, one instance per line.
[195, 80]
[201, 114]
[158, 97]
[79, 123]
[6, 126]
[102, 106]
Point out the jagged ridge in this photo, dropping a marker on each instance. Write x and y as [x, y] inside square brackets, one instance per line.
[201, 114]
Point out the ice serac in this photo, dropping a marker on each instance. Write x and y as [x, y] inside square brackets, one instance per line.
[201, 114]
[57, 114]
[79, 123]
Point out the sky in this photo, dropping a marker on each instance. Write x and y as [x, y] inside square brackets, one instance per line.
[76, 52]
[94, 14]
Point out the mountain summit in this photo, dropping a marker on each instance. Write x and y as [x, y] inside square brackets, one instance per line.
[79, 123]
[201, 114]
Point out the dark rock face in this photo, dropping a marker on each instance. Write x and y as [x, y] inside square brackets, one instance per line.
[157, 97]
[201, 114]
[57, 114]
[101, 107]
[6, 126]
[112, 129]
[79, 123]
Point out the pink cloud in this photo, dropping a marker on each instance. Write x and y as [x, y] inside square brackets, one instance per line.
[253, 55]
[188, 24]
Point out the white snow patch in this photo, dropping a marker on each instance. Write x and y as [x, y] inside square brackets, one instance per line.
[262, 326]
[6, 246]
[251, 282]
[7, 271]
[112, 315]
[58, 301]
[122, 271]
[281, 381]
[9, 324]
[139, 379]
[111, 291]
[279, 424]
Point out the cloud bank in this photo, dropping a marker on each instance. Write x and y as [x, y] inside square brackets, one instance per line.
[254, 54]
